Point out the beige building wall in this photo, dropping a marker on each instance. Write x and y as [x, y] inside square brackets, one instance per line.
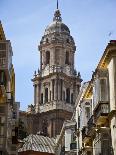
[112, 83]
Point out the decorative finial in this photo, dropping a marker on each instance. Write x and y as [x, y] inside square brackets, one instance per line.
[57, 4]
[57, 14]
[35, 73]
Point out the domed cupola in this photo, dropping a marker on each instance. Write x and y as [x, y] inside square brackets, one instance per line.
[57, 31]
[57, 25]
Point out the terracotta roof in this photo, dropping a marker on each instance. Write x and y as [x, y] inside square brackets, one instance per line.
[38, 143]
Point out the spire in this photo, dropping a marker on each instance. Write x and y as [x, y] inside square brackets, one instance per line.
[57, 4]
[57, 14]
[2, 34]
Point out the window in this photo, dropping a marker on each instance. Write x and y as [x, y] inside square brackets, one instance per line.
[64, 95]
[103, 90]
[2, 54]
[53, 82]
[2, 46]
[72, 99]
[46, 95]
[68, 95]
[1, 130]
[42, 98]
[47, 57]
[96, 92]
[2, 61]
[14, 115]
[2, 109]
[50, 95]
[61, 81]
[57, 56]
[67, 58]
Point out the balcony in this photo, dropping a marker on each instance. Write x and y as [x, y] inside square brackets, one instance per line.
[56, 105]
[101, 111]
[57, 69]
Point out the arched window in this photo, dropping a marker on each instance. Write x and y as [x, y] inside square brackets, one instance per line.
[42, 98]
[50, 95]
[64, 95]
[47, 57]
[68, 95]
[67, 58]
[46, 95]
[72, 99]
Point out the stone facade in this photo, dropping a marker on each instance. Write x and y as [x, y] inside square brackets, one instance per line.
[8, 107]
[56, 84]
[96, 132]
[95, 112]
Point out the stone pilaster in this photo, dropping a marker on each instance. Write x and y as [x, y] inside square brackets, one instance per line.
[112, 83]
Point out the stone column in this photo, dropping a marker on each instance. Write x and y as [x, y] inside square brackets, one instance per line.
[37, 98]
[49, 93]
[54, 63]
[62, 89]
[112, 85]
[43, 94]
[55, 90]
[40, 60]
[52, 92]
[34, 94]
[59, 89]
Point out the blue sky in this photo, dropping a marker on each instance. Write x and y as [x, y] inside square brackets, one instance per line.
[24, 22]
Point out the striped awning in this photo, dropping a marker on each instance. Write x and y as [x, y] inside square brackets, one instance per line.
[38, 143]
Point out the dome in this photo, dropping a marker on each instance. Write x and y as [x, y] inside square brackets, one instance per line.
[57, 31]
[57, 25]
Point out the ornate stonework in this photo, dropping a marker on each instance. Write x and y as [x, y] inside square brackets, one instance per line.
[56, 84]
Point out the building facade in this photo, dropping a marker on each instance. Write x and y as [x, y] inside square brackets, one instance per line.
[8, 107]
[96, 109]
[67, 142]
[56, 84]
[95, 112]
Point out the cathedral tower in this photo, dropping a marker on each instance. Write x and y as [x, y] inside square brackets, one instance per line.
[56, 84]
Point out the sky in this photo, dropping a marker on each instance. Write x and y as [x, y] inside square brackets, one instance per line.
[92, 24]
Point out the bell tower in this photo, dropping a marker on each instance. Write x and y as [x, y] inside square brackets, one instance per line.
[56, 84]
